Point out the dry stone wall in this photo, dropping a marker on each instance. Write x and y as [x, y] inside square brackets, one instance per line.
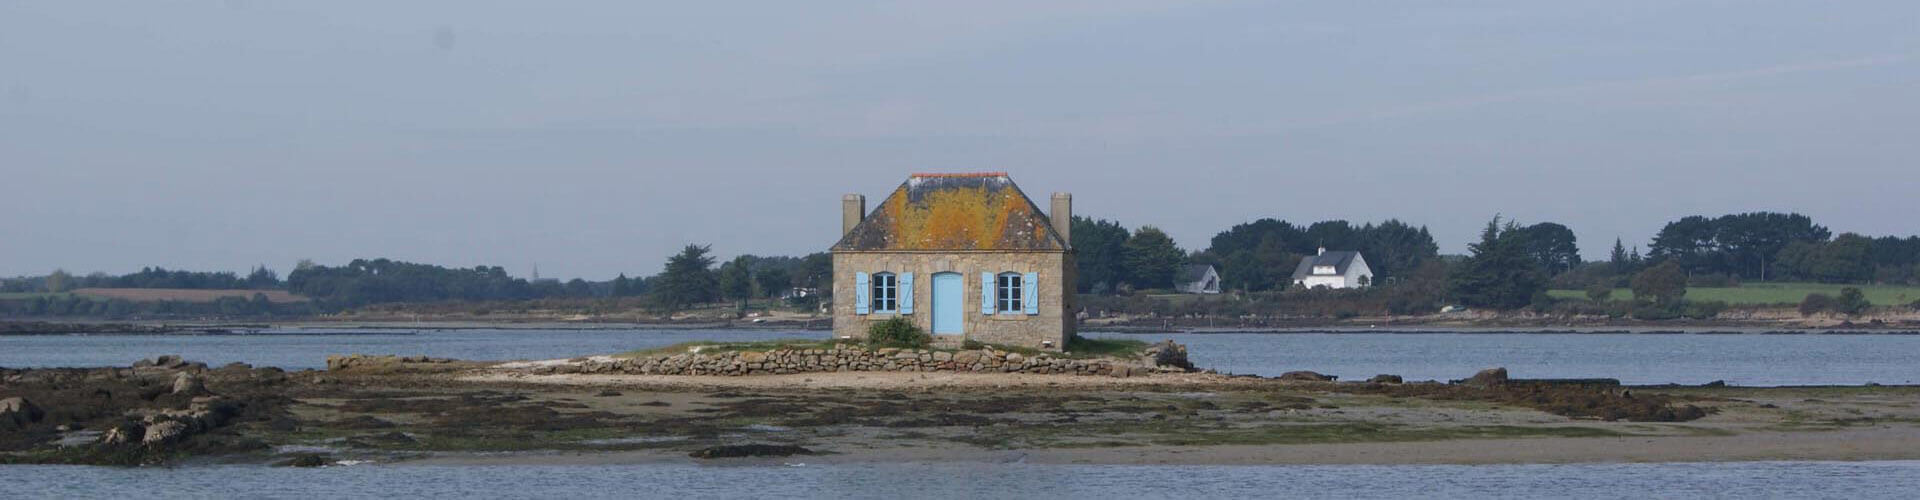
[846, 357]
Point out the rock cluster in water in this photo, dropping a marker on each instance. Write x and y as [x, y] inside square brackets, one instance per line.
[352, 361]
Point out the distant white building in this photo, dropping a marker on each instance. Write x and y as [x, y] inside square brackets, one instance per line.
[1338, 269]
[1197, 278]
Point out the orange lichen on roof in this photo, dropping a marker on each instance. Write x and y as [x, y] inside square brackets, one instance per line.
[960, 175]
[954, 212]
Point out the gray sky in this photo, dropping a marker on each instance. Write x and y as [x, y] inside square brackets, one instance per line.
[598, 137]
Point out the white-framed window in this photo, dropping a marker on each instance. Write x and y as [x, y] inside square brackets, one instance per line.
[1010, 288]
[886, 293]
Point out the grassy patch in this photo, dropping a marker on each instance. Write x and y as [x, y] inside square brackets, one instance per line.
[1120, 348]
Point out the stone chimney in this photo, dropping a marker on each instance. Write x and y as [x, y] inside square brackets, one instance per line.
[853, 209]
[1063, 216]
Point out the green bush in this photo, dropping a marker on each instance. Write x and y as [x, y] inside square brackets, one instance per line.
[1816, 303]
[1852, 301]
[897, 332]
[1600, 292]
[1647, 311]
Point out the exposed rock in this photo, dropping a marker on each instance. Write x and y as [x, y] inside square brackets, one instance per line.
[387, 440]
[120, 435]
[751, 450]
[1167, 355]
[1488, 378]
[188, 384]
[1386, 379]
[1306, 376]
[305, 460]
[353, 361]
[16, 413]
[164, 432]
[167, 361]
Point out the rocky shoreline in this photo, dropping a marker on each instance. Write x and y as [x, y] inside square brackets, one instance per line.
[940, 403]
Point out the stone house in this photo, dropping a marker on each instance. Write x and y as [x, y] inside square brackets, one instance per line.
[962, 256]
[1337, 269]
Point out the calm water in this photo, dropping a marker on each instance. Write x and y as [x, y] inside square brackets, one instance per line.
[1862, 480]
[1757, 360]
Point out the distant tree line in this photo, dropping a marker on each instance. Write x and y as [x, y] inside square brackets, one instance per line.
[53, 305]
[1758, 246]
[690, 278]
[60, 281]
[364, 281]
[1256, 256]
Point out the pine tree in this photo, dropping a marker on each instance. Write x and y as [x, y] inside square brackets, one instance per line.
[622, 286]
[688, 279]
[1498, 273]
[1619, 259]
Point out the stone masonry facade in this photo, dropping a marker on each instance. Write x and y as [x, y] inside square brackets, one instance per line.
[1049, 329]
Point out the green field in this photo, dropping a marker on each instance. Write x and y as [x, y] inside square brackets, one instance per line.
[1776, 293]
[29, 295]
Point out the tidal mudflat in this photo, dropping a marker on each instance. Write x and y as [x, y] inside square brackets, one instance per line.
[445, 411]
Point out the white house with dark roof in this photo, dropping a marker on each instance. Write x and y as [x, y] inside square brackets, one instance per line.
[1336, 269]
[1197, 278]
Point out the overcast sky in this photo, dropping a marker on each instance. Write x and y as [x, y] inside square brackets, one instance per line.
[595, 138]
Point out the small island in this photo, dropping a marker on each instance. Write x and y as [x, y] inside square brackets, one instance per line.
[1109, 402]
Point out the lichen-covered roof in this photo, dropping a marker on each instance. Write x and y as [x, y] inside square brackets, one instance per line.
[954, 212]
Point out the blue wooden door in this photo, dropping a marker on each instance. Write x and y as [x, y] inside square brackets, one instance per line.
[948, 302]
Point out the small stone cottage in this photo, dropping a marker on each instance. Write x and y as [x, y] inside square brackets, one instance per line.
[963, 256]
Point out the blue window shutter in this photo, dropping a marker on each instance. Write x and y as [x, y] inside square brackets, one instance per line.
[861, 287]
[906, 293]
[986, 293]
[1030, 297]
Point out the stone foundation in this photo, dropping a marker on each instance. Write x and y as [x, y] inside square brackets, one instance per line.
[846, 357]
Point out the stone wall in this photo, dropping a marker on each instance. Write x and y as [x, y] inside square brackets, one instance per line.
[1162, 358]
[1054, 323]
